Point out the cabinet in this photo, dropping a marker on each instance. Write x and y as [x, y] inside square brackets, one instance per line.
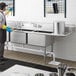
[39, 40]
[18, 37]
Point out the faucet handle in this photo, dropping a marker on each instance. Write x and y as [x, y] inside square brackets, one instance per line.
[62, 68]
[39, 74]
[35, 25]
[53, 74]
[39, 26]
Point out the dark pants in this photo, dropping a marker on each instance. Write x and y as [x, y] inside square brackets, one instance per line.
[1, 50]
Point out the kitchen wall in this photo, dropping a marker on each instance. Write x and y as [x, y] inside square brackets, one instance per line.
[33, 10]
[66, 46]
[71, 16]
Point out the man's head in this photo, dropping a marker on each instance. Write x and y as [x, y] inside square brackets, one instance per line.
[3, 6]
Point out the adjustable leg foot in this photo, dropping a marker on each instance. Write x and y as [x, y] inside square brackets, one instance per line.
[54, 62]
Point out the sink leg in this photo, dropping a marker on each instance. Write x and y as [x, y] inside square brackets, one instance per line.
[45, 56]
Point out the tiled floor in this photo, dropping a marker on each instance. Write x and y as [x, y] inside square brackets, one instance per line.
[34, 58]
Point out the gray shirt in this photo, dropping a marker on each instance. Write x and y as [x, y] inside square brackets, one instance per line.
[2, 18]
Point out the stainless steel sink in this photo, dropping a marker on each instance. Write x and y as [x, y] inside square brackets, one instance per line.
[71, 71]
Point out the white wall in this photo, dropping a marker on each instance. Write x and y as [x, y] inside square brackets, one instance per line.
[66, 47]
[71, 12]
[29, 9]
[33, 10]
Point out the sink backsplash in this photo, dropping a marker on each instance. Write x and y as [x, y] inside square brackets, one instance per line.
[38, 26]
[31, 25]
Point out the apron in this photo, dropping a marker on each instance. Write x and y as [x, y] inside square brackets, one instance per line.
[3, 32]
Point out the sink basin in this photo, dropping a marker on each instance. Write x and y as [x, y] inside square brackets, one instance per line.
[38, 27]
[70, 74]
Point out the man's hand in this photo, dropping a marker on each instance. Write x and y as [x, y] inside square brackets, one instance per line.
[12, 28]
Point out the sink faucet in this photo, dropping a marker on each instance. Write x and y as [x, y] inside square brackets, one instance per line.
[61, 69]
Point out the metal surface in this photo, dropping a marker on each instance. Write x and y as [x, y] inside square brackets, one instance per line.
[19, 70]
[18, 37]
[37, 28]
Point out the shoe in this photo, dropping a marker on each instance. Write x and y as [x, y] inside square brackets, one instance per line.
[2, 62]
[3, 59]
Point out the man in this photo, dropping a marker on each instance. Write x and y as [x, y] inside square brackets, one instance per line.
[2, 31]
